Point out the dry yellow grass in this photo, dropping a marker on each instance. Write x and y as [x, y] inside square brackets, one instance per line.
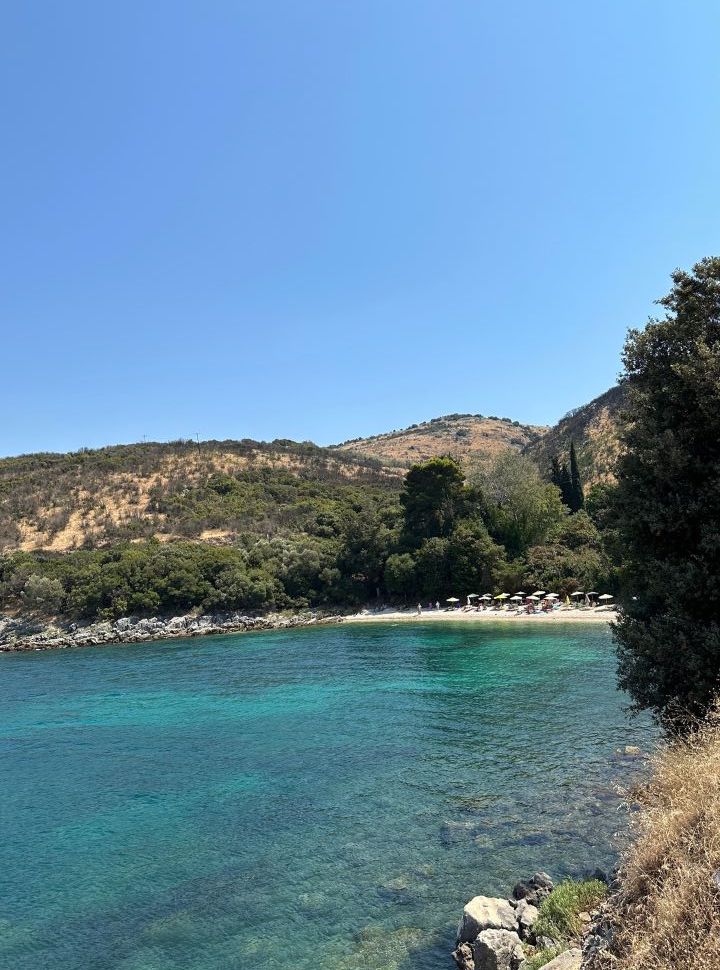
[667, 913]
[465, 437]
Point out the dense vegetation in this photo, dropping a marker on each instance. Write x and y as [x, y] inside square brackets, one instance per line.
[310, 534]
[666, 507]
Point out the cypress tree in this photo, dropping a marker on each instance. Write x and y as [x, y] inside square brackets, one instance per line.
[576, 495]
[565, 484]
[555, 471]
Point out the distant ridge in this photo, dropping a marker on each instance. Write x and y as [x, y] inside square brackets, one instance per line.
[467, 437]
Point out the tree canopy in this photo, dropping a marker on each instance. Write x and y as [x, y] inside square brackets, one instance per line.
[667, 502]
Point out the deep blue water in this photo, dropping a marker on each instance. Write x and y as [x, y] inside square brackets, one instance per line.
[317, 798]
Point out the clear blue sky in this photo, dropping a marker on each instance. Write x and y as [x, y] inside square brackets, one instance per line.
[322, 219]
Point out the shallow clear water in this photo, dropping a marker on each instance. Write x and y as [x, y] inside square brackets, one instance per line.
[312, 798]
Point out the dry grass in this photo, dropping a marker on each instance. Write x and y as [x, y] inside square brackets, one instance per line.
[667, 913]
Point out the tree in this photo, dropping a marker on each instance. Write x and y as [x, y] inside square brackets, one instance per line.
[575, 560]
[433, 497]
[521, 509]
[43, 593]
[576, 495]
[667, 503]
[400, 575]
[568, 480]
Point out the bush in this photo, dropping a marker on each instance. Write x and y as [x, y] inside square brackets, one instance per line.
[560, 912]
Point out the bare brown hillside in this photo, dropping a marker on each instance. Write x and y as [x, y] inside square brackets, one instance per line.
[466, 437]
[594, 429]
[58, 502]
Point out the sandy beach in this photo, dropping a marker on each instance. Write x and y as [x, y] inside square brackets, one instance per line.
[486, 616]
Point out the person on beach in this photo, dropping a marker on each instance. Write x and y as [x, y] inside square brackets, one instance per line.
[419, 608]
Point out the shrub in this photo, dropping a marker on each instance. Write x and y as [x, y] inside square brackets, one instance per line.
[560, 912]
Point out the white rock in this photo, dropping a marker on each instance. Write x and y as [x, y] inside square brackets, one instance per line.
[569, 960]
[497, 950]
[526, 914]
[485, 913]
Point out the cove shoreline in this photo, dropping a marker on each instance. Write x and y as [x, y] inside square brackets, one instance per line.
[487, 616]
[27, 633]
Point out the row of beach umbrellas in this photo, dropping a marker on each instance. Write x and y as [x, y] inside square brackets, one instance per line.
[536, 596]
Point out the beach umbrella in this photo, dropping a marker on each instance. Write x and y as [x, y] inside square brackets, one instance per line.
[578, 592]
[452, 599]
[539, 592]
[592, 593]
[472, 596]
[605, 596]
[516, 597]
[536, 598]
[520, 592]
[502, 596]
[552, 596]
[487, 596]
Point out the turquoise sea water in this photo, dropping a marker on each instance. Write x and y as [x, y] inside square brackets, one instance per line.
[316, 798]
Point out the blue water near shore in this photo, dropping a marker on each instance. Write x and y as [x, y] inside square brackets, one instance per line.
[315, 798]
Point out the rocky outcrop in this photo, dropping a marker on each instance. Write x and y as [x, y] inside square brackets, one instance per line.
[497, 950]
[23, 633]
[491, 930]
[501, 934]
[485, 913]
[526, 914]
[534, 889]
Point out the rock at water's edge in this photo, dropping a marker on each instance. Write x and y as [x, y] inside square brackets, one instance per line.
[534, 889]
[485, 913]
[497, 950]
[463, 957]
[525, 914]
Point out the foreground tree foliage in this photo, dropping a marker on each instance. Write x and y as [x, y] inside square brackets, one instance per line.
[666, 506]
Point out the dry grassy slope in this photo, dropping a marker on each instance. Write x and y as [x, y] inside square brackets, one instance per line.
[594, 429]
[666, 912]
[56, 502]
[466, 437]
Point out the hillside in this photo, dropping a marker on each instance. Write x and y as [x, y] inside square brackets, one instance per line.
[594, 429]
[467, 437]
[216, 490]
[209, 491]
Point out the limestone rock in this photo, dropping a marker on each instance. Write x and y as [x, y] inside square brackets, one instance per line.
[569, 960]
[497, 950]
[485, 913]
[463, 957]
[534, 889]
[525, 914]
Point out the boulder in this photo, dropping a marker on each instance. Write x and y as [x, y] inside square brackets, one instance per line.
[525, 914]
[485, 913]
[569, 960]
[497, 950]
[534, 889]
[463, 957]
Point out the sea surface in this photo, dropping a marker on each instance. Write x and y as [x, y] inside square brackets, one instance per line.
[314, 798]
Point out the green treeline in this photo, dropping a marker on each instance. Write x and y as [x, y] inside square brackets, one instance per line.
[323, 541]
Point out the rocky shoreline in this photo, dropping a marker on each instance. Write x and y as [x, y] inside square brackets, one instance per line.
[26, 633]
[508, 934]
